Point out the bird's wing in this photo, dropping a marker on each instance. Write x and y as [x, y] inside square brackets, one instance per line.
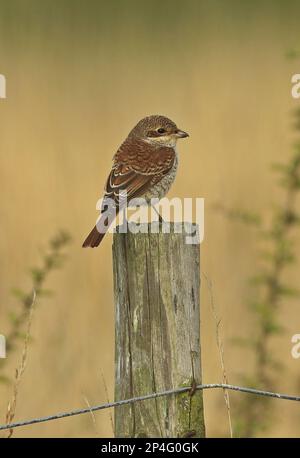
[137, 167]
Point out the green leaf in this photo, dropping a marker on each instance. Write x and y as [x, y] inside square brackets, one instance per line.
[18, 293]
[37, 274]
[45, 292]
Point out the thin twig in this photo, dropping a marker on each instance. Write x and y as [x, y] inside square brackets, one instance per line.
[109, 405]
[92, 414]
[107, 400]
[220, 348]
[11, 408]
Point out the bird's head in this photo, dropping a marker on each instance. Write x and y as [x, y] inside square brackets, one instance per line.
[158, 130]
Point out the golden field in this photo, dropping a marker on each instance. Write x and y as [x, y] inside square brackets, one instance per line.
[79, 76]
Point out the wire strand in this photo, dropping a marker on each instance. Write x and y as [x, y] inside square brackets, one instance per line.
[109, 405]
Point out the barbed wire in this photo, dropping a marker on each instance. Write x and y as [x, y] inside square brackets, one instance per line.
[109, 405]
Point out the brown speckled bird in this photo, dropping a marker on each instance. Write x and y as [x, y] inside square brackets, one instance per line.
[144, 166]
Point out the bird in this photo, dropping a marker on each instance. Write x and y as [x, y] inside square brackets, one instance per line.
[144, 166]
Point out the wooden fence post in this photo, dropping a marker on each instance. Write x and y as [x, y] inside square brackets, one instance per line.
[157, 334]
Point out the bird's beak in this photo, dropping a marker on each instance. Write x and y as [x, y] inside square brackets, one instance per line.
[181, 134]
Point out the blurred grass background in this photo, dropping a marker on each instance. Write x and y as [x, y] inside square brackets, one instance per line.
[79, 76]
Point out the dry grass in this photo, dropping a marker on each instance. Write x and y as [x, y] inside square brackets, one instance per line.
[92, 416]
[12, 405]
[220, 349]
[108, 400]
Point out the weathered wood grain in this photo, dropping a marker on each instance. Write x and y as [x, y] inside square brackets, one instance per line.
[157, 334]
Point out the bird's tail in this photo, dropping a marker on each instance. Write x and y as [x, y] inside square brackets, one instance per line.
[95, 237]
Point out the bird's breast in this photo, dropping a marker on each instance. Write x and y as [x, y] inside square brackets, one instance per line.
[160, 189]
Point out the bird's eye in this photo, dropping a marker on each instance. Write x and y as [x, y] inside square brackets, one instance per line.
[161, 130]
